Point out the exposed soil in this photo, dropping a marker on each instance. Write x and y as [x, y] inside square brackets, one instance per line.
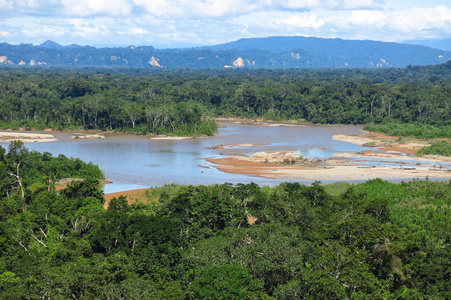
[384, 142]
[138, 195]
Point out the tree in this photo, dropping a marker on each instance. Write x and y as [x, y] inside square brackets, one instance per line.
[225, 282]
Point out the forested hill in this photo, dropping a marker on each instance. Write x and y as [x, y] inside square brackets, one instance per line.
[340, 53]
[271, 52]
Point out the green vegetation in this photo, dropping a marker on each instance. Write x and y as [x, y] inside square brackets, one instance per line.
[26, 172]
[422, 131]
[438, 148]
[183, 102]
[374, 240]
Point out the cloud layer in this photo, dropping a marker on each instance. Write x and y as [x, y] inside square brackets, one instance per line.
[178, 23]
[171, 9]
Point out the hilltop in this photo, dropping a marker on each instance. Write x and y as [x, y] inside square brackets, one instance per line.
[270, 53]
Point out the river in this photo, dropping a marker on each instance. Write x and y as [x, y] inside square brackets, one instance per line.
[133, 162]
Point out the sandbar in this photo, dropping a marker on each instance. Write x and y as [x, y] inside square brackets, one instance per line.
[388, 155]
[238, 145]
[6, 136]
[397, 162]
[249, 166]
[384, 142]
[170, 137]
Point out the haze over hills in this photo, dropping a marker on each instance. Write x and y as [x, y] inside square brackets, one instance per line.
[271, 52]
[443, 44]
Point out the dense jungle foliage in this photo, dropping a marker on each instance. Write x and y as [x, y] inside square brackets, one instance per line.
[183, 102]
[374, 240]
[438, 148]
[24, 172]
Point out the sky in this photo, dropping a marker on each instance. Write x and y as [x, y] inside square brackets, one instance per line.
[188, 23]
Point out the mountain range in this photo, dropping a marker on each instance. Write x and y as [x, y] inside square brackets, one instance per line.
[270, 52]
[443, 44]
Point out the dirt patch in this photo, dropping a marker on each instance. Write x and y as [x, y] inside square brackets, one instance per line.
[133, 196]
[384, 142]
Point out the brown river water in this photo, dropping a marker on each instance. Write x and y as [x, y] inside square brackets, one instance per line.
[133, 162]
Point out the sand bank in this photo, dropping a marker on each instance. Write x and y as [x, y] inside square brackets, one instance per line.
[397, 156]
[26, 137]
[170, 138]
[238, 145]
[286, 164]
[263, 122]
[330, 171]
[384, 142]
[88, 136]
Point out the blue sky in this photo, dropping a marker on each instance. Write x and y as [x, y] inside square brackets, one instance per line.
[185, 23]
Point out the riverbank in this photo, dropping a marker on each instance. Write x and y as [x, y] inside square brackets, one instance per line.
[8, 136]
[384, 142]
[174, 138]
[263, 122]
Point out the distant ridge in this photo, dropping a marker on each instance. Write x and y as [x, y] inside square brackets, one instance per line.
[50, 45]
[443, 44]
[271, 52]
[277, 44]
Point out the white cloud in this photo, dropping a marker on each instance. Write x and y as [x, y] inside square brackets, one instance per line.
[198, 9]
[310, 21]
[184, 9]
[361, 4]
[5, 5]
[83, 8]
[329, 4]
[138, 31]
[172, 9]
[423, 18]
[365, 24]
[172, 23]
[28, 7]
[406, 24]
